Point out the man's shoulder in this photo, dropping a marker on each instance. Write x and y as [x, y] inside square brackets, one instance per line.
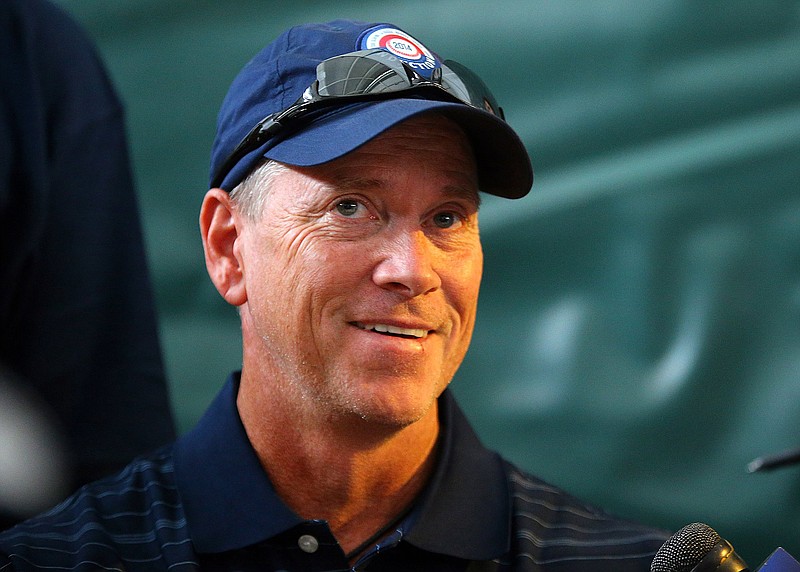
[128, 517]
[553, 530]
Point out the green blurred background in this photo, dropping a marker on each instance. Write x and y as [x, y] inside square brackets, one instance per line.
[639, 330]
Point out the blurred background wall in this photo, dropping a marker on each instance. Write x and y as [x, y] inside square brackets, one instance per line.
[639, 329]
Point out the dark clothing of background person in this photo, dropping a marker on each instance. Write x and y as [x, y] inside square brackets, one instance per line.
[77, 317]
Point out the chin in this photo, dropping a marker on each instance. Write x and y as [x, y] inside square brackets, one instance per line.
[396, 409]
[391, 419]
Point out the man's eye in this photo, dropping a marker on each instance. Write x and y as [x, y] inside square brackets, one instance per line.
[348, 207]
[446, 220]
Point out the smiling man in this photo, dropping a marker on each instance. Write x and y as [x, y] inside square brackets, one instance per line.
[342, 222]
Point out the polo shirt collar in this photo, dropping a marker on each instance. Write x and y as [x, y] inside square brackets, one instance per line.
[228, 499]
[464, 511]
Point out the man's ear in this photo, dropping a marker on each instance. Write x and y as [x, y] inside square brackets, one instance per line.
[220, 228]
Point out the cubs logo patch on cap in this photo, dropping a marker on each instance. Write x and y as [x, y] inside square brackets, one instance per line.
[401, 45]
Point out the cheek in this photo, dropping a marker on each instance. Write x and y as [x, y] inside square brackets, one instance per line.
[468, 273]
[281, 257]
[313, 279]
[461, 286]
[472, 287]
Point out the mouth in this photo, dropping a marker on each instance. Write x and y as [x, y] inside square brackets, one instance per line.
[387, 330]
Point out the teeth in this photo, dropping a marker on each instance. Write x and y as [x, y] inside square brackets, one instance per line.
[384, 329]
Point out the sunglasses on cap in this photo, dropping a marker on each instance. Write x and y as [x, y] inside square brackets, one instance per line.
[366, 75]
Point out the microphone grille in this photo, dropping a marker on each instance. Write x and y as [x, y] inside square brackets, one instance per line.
[685, 549]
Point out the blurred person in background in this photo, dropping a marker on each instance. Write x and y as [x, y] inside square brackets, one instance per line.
[77, 318]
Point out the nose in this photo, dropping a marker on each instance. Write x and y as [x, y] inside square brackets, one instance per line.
[406, 265]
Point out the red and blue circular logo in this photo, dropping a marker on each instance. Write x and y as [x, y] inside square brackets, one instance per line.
[401, 45]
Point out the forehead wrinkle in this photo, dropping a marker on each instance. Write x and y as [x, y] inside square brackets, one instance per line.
[356, 183]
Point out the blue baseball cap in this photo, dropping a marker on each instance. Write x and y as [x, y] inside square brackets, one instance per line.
[280, 73]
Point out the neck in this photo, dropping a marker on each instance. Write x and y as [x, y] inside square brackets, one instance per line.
[357, 475]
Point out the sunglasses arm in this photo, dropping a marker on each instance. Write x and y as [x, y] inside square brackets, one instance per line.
[264, 131]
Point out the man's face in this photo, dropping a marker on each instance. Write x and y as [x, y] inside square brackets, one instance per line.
[362, 276]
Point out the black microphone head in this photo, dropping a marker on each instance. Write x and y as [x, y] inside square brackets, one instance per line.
[685, 549]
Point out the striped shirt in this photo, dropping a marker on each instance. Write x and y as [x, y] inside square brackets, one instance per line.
[204, 503]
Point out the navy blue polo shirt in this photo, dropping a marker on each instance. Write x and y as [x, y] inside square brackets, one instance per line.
[230, 504]
[205, 503]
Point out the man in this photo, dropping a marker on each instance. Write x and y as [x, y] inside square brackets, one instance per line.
[342, 222]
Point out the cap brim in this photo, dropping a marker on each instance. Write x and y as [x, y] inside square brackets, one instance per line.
[504, 167]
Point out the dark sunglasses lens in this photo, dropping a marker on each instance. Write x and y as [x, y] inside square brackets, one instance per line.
[359, 74]
[462, 83]
[376, 71]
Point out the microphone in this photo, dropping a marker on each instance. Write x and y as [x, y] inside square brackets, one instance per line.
[770, 462]
[697, 548]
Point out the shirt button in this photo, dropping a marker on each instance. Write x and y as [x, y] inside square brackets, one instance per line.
[308, 543]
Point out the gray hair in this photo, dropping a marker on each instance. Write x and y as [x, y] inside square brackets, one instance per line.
[250, 195]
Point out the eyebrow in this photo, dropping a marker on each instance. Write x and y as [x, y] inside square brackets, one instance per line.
[355, 183]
